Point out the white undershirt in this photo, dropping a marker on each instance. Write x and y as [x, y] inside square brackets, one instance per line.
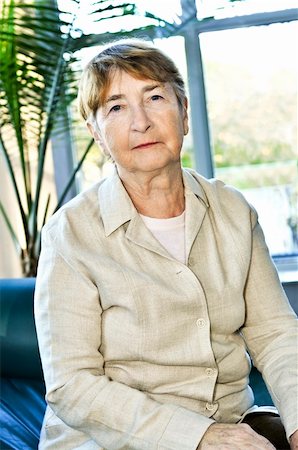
[170, 233]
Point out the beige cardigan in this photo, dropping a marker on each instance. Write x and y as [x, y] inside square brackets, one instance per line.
[140, 351]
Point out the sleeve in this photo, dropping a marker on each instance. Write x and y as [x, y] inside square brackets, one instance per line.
[114, 415]
[270, 330]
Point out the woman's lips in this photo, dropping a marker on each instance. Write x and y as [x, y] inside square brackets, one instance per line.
[145, 145]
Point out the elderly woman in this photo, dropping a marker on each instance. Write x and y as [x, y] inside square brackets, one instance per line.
[153, 284]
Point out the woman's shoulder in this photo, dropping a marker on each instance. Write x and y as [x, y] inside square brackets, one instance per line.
[213, 187]
[223, 198]
[77, 214]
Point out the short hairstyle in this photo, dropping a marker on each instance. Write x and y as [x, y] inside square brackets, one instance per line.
[137, 57]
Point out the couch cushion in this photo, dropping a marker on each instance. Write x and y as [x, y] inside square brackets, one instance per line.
[19, 348]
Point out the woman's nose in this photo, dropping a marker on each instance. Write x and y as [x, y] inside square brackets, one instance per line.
[140, 120]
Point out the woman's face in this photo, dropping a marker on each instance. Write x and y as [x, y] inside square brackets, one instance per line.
[141, 124]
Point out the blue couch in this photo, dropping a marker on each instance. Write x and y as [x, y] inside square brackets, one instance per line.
[22, 384]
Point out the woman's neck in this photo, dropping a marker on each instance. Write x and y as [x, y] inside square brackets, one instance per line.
[159, 194]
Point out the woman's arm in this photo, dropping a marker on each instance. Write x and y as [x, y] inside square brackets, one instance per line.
[270, 330]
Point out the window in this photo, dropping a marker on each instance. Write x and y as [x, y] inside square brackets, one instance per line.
[250, 77]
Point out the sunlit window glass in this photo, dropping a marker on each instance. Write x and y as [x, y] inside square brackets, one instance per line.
[251, 84]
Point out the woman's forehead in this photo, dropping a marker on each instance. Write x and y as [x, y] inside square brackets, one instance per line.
[121, 82]
[120, 77]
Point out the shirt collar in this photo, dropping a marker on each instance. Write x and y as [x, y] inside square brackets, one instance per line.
[117, 208]
[192, 185]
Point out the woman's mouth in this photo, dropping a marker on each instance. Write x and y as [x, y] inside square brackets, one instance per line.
[145, 145]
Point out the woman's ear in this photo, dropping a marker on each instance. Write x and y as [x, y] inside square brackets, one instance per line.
[94, 133]
[185, 116]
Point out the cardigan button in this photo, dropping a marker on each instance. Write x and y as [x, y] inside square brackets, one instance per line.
[210, 372]
[201, 323]
[210, 406]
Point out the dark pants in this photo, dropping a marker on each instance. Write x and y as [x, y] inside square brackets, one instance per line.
[268, 425]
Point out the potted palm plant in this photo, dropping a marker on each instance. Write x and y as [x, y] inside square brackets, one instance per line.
[37, 84]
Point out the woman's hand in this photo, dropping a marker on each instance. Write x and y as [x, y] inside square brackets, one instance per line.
[221, 436]
[294, 441]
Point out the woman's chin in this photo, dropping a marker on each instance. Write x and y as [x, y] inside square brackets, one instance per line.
[151, 162]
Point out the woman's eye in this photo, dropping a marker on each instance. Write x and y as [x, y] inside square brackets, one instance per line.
[115, 108]
[156, 97]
